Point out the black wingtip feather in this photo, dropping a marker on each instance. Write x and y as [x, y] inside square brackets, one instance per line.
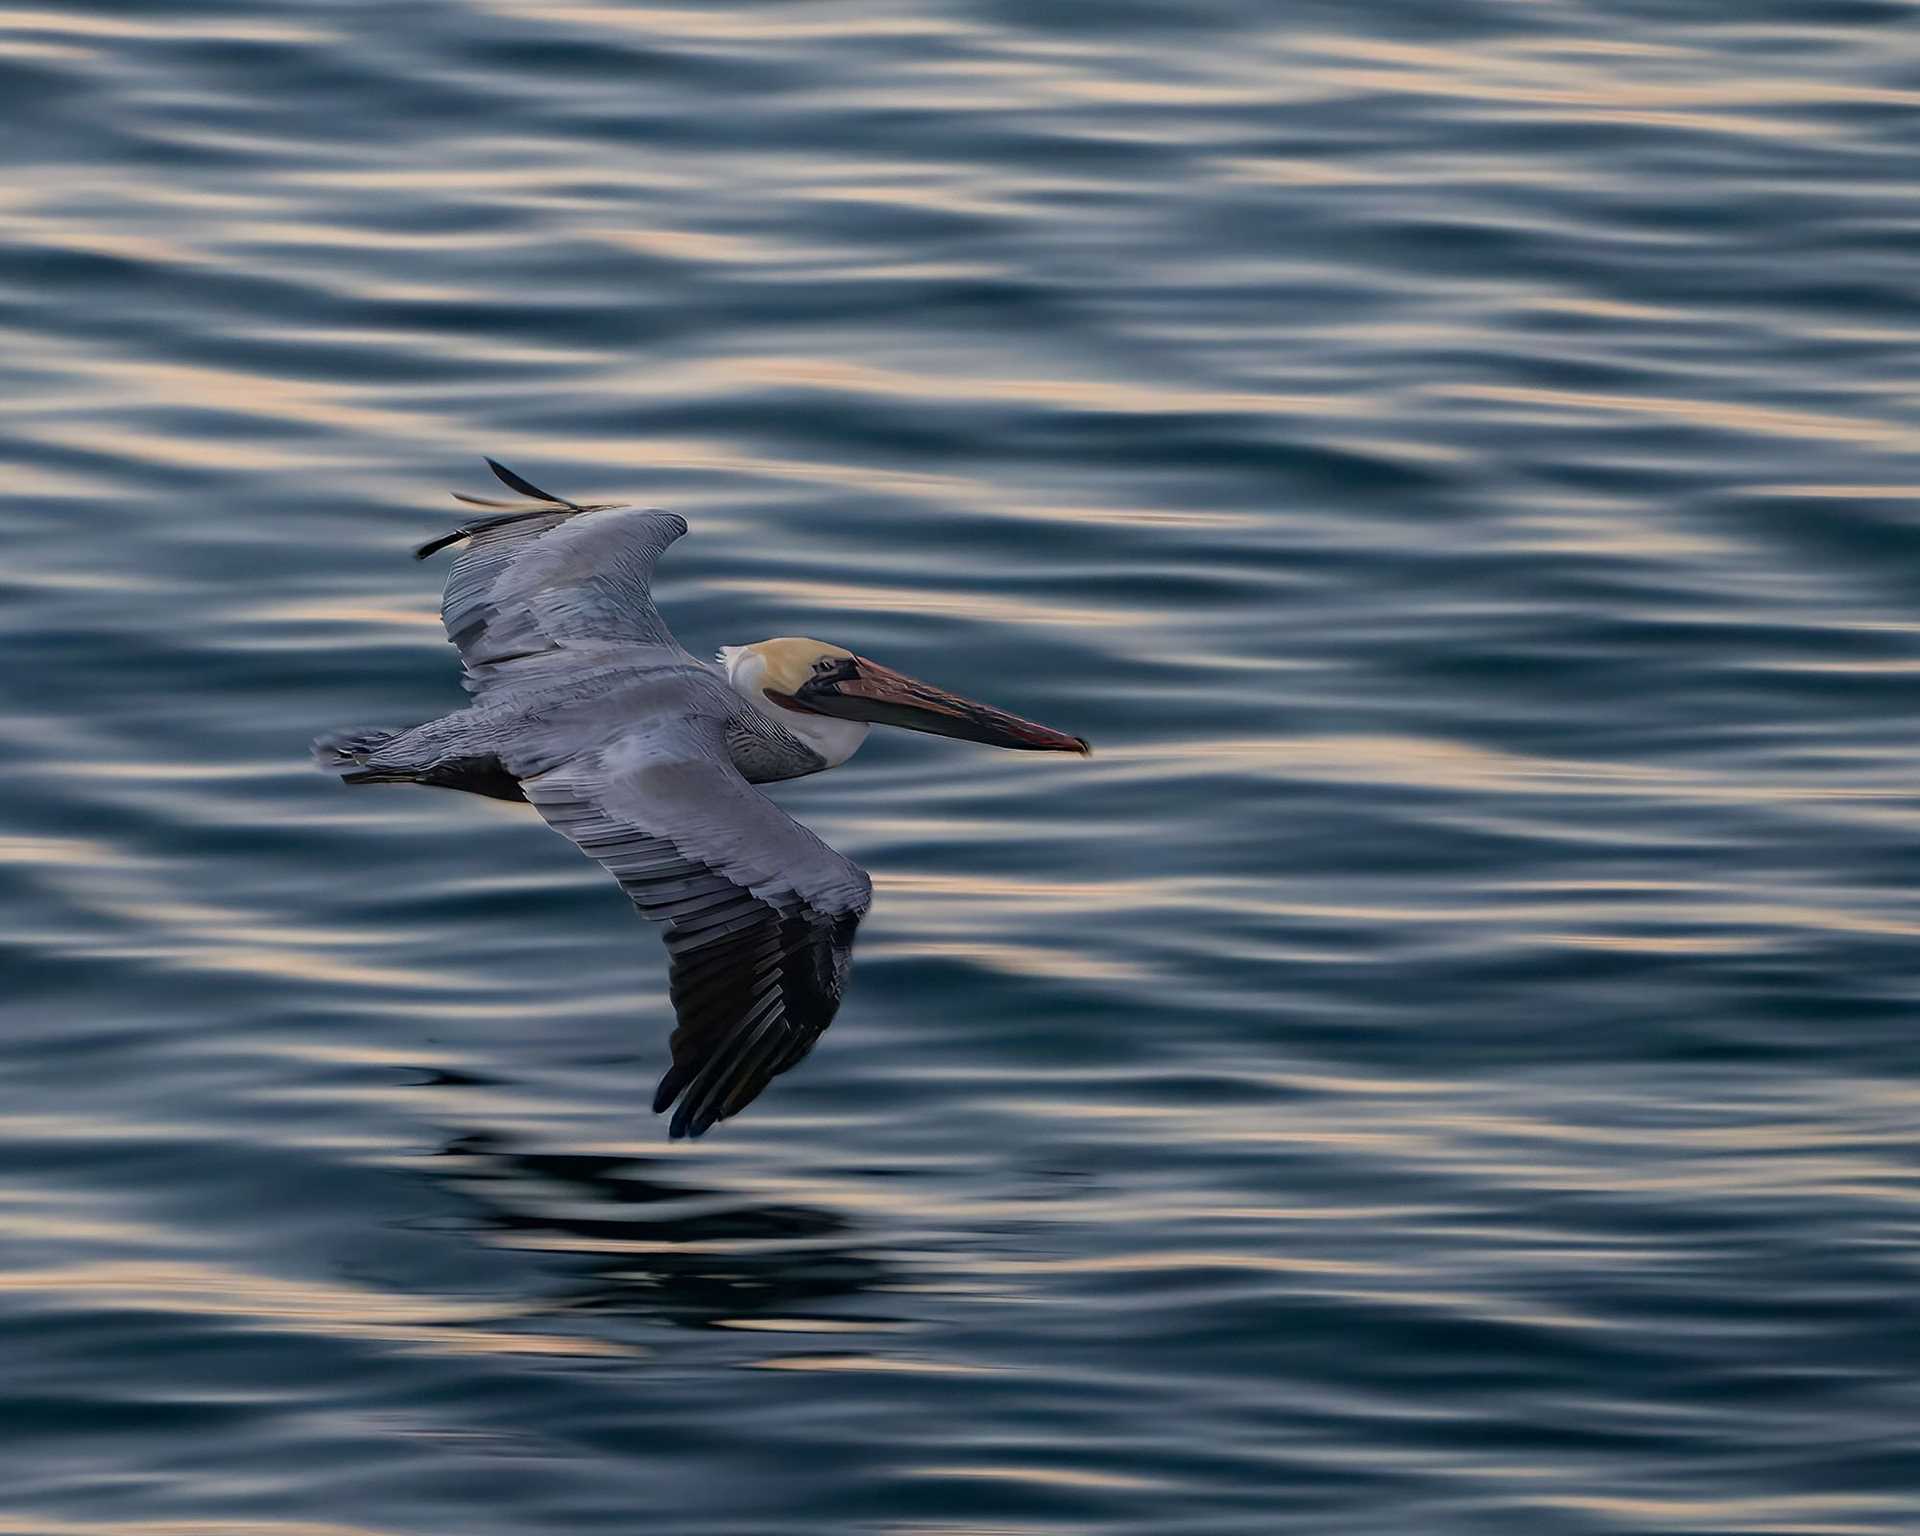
[670, 1086]
[514, 482]
[484, 525]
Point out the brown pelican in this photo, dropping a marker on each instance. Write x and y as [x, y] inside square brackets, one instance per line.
[645, 757]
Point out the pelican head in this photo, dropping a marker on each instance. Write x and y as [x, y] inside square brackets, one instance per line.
[836, 695]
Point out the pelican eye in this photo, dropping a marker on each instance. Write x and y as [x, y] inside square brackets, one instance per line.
[832, 669]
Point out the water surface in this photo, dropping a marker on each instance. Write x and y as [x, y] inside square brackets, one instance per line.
[1446, 1064]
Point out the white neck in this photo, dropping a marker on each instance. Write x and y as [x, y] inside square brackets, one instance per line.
[833, 740]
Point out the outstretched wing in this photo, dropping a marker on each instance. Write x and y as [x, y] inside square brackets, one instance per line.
[760, 913]
[550, 577]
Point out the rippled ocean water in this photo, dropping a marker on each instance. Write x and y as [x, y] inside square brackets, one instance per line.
[1447, 1064]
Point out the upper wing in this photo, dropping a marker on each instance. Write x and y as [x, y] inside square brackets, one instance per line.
[549, 577]
[760, 913]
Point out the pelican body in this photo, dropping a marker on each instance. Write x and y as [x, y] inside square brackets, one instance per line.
[645, 758]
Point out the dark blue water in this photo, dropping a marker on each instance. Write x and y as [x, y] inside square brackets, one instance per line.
[1446, 1065]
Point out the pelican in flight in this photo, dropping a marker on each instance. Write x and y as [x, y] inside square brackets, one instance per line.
[646, 758]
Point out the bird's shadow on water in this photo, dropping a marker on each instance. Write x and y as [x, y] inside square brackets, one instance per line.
[638, 1244]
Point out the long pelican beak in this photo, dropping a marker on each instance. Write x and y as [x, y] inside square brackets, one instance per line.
[858, 689]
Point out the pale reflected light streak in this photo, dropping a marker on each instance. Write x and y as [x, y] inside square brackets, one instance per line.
[250, 1299]
[1810, 1514]
[939, 903]
[1528, 76]
[200, 29]
[1720, 415]
[845, 597]
[1022, 960]
[706, 26]
[704, 246]
[136, 893]
[1078, 394]
[1614, 535]
[1456, 767]
[46, 1217]
[1761, 1157]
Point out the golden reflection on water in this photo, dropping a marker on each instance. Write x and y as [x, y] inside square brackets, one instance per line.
[1457, 767]
[531, 183]
[1570, 79]
[842, 597]
[1841, 492]
[251, 1299]
[345, 610]
[1750, 1154]
[1722, 415]
[255, 395]
[1807, 1514]
[388, 339]
[805, 25]
[50, 1217]
[727, 249]
[1013, 959]
[78, 851]
[1157, 1262]
[202, 452]
[1079, 394]
[936, 907]
[1528, 75]
[63, 53]
[664, 452]
[189, 936]
[172, 29]
[1618, 534]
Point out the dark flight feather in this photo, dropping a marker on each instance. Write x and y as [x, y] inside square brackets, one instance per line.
[514, 482]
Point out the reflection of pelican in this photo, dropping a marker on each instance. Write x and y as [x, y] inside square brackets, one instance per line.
[639, 1243]
[644, 757]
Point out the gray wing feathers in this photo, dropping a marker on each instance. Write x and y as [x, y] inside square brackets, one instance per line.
[547, 582]
[760, 913]
[550, 576]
